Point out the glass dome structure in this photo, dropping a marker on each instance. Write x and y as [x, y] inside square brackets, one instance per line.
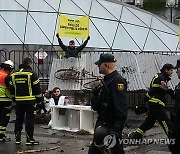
[113, 26]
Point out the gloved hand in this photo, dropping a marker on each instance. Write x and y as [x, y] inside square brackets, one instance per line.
[57, 35]
[88, 38]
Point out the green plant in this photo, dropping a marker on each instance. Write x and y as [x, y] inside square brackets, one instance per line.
[154, 5]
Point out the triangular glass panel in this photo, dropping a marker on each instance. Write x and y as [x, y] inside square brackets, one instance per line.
[123, 41]
[42, 23]
[42, 6]
[128, 17]
[97, 41]
[8, 35]
[108, 29]
[23, 3]
[173, 27]
[99, 11]
[83, 5]
[170, 40]
[69, 7]
[10, 5]
[135, 32]
[142, 15]
[113, 8]
[53, 4]
[154, 44]
[158, 25]
[34, 35]
[16, 21]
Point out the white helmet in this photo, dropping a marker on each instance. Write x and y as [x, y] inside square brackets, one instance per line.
[10, 63]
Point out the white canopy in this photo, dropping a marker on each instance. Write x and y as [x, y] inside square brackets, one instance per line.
[112, 26]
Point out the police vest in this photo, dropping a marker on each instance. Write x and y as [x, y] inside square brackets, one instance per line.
[4, 92]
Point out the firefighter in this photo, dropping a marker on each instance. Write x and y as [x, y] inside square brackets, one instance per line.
[5, 98]
[26, 92]
[156, 102]
[175, 117]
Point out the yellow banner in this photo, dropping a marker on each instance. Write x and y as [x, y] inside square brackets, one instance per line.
[73, 27]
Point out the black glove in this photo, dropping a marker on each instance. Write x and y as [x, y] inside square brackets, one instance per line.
[88, 38]
[57, 35]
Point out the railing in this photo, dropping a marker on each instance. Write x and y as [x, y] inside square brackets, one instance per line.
[43, 68]
[3, 56]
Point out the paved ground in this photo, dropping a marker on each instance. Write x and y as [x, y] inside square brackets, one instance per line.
[58, 142]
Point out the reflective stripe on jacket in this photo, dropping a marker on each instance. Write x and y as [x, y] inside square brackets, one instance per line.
[156, 94]
[4, 92]
[26, 85]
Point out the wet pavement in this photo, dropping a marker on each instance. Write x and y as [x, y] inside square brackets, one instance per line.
[57, 142]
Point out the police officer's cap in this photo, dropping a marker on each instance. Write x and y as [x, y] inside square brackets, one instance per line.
[27, 61]
[105, 58]
[178, 64]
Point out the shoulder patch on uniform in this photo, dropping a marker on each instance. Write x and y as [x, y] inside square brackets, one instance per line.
[120, 86]
[177, 87]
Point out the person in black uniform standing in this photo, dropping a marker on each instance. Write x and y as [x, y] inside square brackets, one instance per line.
[5, 98]
[174, 132]
[109, 100]
[25, 91]
[71, 50]
[156, 102]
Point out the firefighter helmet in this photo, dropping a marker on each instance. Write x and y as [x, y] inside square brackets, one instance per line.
[7, 65]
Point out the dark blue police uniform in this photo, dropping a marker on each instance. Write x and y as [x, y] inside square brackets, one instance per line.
[110, 103]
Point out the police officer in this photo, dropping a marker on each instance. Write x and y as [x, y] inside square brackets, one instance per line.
[109, 100]
[5, 98]
[25, 91]
[156, 102]
[175, 117]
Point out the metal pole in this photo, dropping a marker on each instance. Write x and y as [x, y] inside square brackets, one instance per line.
[171, 7]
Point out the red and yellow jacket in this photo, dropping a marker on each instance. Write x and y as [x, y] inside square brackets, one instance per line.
[4, 92]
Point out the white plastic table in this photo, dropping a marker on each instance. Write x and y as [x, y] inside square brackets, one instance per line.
[73, 117]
